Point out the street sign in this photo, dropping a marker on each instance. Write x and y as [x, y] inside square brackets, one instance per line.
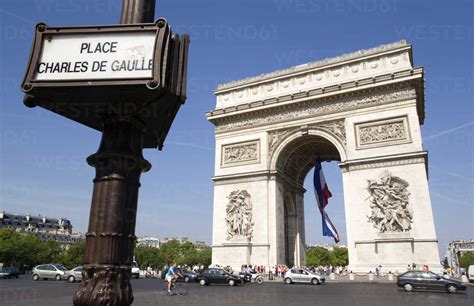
[94, 72]
[96, 56]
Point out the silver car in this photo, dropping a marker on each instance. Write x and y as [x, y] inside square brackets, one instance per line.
[54, 271]
[73, 274]
[303, 276]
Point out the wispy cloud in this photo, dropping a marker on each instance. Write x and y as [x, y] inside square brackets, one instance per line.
[470, 179]
[448, 131]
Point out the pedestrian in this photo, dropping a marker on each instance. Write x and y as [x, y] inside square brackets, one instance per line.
[425, 268]
[381, 270]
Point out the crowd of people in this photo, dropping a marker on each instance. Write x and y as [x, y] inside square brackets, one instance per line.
[280, 269]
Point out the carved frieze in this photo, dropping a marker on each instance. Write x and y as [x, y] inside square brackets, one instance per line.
[241, 153]
[239, 215]
[276, 136]
[382, 132]
[389, 205]
[311, 108]
[336, 127]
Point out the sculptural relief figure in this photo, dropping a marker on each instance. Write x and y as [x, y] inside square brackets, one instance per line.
[239, 153]
[239, 215]
[389, 204]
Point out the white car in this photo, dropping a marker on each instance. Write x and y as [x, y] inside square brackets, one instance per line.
[54, 271]
[135, 270]
[470, 273]
[303, 276]
[73, 274]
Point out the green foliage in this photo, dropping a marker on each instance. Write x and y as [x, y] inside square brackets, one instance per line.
[319, 256]
[147, 256]
[339, 257]
[169, 252]
[466, 260]
[205, 256]
[74, 256]
[25, 251]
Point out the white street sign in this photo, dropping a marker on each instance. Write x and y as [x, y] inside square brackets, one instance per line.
[96, 56]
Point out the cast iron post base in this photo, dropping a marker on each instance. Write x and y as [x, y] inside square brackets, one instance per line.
[111, 234]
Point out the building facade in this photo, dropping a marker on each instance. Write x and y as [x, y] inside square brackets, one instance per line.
[149, 241]
[58, 229]
[456, 249]
[362, 110]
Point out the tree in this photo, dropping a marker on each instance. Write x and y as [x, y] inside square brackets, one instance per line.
[204, 257]
[74, 256]
[188, 254]
[48, 251]
[339, 257]
[466, 260]
[9, 246]
[147, 256]
[169, 252]
[26, 251]
[317, 256]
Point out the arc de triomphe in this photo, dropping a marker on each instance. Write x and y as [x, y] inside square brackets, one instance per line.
[363, 110]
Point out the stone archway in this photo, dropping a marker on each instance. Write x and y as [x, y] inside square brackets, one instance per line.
[363, 110]
[293, 158]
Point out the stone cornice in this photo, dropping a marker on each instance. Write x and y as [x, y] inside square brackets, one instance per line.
[358, 55]
[255, 177]
[311, 107]
[385, 161]
[355, 84]
[241, 177]
[412, 76]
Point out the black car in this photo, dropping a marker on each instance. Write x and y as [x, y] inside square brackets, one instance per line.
[428, 280]
[218, 276]
[186, 276]
[10, 272]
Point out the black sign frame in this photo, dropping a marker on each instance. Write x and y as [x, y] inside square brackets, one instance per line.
[160, 27]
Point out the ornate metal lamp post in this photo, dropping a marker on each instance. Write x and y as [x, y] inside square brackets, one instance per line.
[132, 114]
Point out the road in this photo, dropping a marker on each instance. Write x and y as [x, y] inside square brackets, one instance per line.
[25, 291]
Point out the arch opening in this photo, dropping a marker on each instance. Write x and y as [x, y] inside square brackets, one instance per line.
[294, 161]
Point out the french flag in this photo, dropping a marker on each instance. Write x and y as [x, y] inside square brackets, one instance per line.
[323, 194]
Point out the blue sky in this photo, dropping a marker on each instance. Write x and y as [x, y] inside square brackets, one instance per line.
[43, 168]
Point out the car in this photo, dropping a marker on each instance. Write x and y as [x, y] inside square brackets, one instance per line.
[187, 276]
[470, 273]
[73, 274]
[218, 276]
[48, 271]
[135, 270]
[9, 272]
[4, 274]
[303, 276]
[411, 280]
